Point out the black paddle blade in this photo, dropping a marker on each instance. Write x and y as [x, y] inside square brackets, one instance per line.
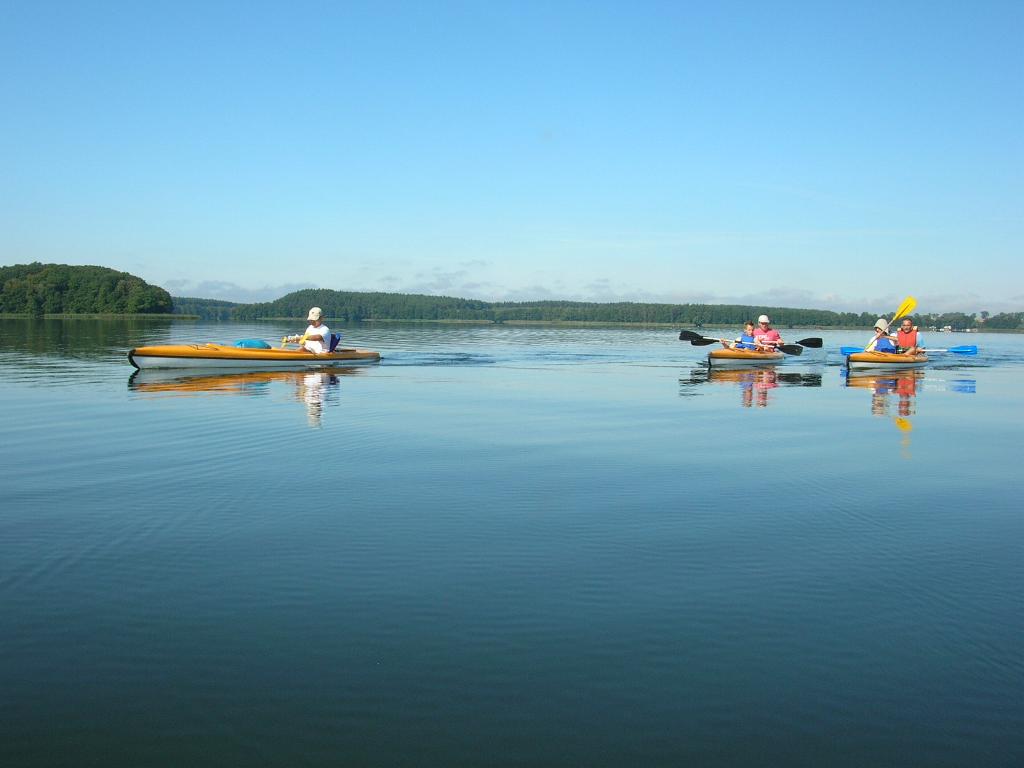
[814, 343]
[688, 336]
[791, 349]
[700, 341]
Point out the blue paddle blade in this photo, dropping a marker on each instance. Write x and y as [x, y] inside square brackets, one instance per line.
[969, 349]
[850, 350]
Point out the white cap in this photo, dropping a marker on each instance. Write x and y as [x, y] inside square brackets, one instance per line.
[764, 319]
[314, 313]
[881, 325]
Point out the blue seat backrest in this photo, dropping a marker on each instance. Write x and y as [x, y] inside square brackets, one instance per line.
[335, 340]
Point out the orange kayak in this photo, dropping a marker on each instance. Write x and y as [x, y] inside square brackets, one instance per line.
[224, 356]
[890, 360]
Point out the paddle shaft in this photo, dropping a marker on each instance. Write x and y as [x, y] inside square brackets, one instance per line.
[965, 350]
[790, 349]
[702, 341]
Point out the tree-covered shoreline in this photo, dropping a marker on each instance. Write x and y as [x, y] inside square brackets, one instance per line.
[60, 290]
[39, 289]
[348, 306]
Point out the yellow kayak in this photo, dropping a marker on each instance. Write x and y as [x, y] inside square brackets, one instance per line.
[890, 360]
[736, 358]
[224, 356]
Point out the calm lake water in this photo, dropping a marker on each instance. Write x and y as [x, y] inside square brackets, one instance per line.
[507, 546]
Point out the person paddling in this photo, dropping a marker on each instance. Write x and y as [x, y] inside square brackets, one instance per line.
[766, 337]
[882, 342]
[908, 340]
[316, 338]
[745, 340]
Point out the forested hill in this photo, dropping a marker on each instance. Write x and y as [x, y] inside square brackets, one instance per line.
[38, 289]
[349, 306]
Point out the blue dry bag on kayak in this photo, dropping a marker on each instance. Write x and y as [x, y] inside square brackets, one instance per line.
[252, 344]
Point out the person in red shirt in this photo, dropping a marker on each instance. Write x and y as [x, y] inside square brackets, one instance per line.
[766, 337]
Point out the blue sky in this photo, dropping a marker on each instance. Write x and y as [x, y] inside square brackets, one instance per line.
[804, 154]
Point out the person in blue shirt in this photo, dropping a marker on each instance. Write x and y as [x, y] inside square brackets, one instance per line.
[882, 342]
[746, 339]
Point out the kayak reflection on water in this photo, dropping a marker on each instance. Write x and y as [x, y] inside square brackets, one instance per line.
[901, 387]
[754, 383]
[313, 388]
[884, 385]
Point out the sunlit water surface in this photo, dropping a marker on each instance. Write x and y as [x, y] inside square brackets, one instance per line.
[507, 546]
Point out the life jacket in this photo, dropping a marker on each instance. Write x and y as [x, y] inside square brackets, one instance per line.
[884, 344]
[745, 341]
[906, 340]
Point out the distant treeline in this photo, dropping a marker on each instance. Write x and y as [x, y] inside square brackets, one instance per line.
[207, 309]
[1006, 321]
[37, 289]
[354, 307]
[348, 306]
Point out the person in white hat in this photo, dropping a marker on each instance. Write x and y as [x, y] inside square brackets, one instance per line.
[882, 342]
[767, 338]
[317, 337]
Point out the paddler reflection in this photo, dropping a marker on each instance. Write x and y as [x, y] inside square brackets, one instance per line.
[886, 388]
[755, 383]
[314, 389]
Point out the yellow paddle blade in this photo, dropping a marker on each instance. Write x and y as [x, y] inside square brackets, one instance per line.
[905, 308]
[904, 424]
